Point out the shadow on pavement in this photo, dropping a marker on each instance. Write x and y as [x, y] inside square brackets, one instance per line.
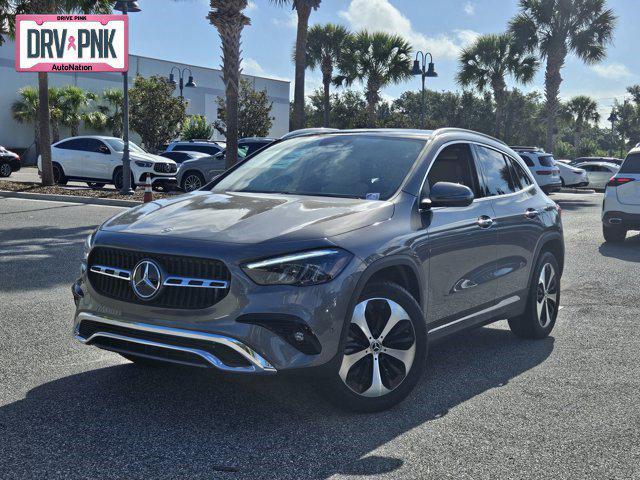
[569, 205]
[24, 252]
[131, 422]
[629, 250]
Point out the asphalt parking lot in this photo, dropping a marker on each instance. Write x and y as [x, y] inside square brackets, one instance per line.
[490, 406]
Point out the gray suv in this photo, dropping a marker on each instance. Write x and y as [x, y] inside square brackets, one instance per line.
[340, 253]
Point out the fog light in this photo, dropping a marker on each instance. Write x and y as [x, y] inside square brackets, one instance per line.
[299, 336]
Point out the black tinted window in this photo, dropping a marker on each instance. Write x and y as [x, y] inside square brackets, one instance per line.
[547, 161]
[631, 164]
[527, 160]
[74, 144]
[520, 177]
[455, 165]
[93, 145]
[178, 157]
[496, 172]
[208, 149]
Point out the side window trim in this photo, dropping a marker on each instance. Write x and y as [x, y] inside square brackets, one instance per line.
[475, 173]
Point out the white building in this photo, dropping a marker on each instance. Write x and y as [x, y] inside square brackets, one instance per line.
[201, 99]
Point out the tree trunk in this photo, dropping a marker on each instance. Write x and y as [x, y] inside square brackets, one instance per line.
[231, 77]
[373, 97]
[327, 74]
[499, 86]
[43, 127]
[304, 11]
[75, 128]
[55, 131]
[552, 82]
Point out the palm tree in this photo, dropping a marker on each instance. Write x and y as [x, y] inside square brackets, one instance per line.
[112, 111]
[325, 45]
[583, 110]
[72, 103]
[488, 61]
[303, 8]
[556, 28]
[376, 59]
[25, 110]
[55, 112]
[227, 17]
[8, 11]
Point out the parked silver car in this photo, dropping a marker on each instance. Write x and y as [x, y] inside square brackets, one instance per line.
[193, 174]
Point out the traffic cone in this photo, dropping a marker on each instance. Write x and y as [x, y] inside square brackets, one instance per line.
[148, 192]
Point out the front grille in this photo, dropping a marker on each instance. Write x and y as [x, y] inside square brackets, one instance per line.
[165, 168]
[227, 355]
[170, 296]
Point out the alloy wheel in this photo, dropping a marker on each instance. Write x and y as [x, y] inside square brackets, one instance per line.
[192, 182]
[547, 295]
[380, 348]
[5, 170]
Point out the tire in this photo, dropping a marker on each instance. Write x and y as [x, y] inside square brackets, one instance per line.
[543, 301]
[192, 181]
[95, 185]
[614, 234]
[372, 379]
[5, 169]
[59, 178]
[118, 177]
[144, 361]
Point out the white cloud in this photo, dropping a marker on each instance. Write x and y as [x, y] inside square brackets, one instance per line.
[291, 20]
[252, 67]
[612, 71]
[251, 6]
[381, 15]
[470, 8]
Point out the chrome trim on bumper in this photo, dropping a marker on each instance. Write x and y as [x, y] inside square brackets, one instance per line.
[111, 272]
[258, 363]
[171, 281]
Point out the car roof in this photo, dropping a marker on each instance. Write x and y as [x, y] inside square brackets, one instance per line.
[194, 142]
[256, 139]
[603, 164]
[97, 137]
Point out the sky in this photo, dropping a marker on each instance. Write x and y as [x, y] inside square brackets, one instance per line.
[178, 30]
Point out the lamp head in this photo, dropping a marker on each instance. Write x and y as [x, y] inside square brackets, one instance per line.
[130, 6]
[416, 70]
[191, 83]
[431, 71]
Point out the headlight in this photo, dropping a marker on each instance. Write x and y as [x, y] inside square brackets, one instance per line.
[142, 164]
[88, 245]
[301, 269]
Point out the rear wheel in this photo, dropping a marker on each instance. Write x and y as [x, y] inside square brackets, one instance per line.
[385, 351]
[543, 303]
[192, 181]
[614, 234]
[5, 169]
[59, 177]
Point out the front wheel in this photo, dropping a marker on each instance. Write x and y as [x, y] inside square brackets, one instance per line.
[614, 234]
[192, 181]
[385, 351]
[5, 169]
[543, 302]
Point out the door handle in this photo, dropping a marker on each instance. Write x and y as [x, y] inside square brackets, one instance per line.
[531, 213]
[485, 222]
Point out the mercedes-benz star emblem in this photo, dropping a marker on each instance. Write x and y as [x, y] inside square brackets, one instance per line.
[146, 280]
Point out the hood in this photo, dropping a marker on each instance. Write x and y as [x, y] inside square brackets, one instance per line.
[249, 217]
[149, 157]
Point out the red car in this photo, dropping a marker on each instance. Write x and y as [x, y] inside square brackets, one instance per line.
[9, 162]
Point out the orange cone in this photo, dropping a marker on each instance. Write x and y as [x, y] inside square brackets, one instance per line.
[148, 192]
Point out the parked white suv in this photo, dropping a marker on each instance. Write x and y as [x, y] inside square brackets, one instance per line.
[97, 160]
[543, 166]
[621, 206]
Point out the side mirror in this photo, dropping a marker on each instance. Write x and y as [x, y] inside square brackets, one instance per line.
[445, 194]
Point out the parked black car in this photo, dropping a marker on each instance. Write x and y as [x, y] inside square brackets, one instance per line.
[253, 144]
[179, 156]
[9, 162]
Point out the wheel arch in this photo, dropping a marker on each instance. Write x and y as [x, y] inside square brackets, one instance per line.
[550, 242]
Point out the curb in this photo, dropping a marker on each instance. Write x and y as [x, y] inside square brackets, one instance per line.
[70, 199]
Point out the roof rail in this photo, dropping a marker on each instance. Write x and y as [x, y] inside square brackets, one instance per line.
[528, 149]
[465, 130]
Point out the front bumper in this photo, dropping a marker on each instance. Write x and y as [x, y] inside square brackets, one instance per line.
[172, 345]
[267, 320]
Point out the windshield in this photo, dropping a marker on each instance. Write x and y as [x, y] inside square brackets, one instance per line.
[352, 166]
[118, 145]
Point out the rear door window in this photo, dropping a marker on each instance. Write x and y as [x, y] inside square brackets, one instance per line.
[79, 144]
[631, 164]
[527, 160]
[495, 171]
[520, 177]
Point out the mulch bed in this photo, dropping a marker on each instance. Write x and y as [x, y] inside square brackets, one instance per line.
[77, 191]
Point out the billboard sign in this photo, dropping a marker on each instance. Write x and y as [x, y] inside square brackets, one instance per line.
[72, 43]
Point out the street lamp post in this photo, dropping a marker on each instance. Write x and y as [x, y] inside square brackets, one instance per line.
[425, 72]
[613, 118]
[126, 6]
[190, 82]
